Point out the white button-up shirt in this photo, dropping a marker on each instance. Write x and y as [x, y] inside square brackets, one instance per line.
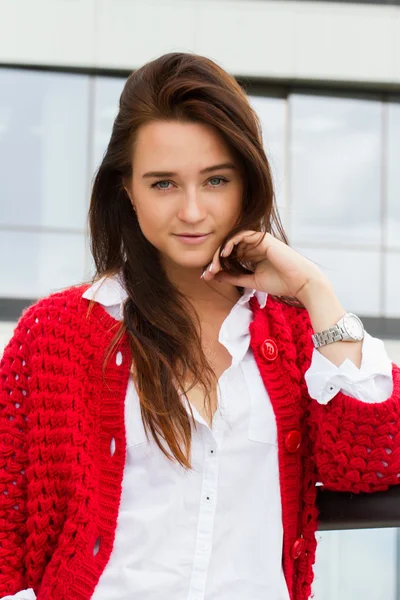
[215, 532]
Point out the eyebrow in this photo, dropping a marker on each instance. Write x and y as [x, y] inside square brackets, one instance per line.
[227, 165]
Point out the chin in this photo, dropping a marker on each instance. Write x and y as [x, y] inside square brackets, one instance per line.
[192, 263]
[190, 260]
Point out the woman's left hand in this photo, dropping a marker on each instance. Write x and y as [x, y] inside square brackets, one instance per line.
[278, 269]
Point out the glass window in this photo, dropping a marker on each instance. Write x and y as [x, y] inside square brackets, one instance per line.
[393, 225]
[356, 564]
[335, 153]
[107, 91]
[43, 148]
[392, 287]
[33, 265]
[272, 112]
[355, 275]
[89, 268]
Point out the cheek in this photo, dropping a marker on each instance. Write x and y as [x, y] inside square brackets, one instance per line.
[229, 209]
[153, 218]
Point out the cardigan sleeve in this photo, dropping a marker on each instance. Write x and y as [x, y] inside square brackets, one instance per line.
[355, 445]
[14, 402]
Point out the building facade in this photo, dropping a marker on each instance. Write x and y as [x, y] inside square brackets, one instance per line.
[324, 78]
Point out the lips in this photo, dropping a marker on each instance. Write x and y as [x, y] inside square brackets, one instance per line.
[192, 238]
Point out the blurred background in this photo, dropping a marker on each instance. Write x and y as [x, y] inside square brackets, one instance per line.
[324, 78]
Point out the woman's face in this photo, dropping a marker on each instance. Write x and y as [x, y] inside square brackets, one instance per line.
[185, 181]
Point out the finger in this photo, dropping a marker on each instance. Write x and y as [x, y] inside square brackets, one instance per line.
[214, 267]
[227, 249]
[244, 237]
[251, 252]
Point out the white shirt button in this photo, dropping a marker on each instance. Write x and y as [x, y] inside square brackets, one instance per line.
[329, 392]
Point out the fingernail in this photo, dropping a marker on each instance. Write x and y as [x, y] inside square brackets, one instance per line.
[222, 252]
[202, 275]
[210, 268]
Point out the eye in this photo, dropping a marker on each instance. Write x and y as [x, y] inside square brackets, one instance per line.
[158, 185]
[218, 180]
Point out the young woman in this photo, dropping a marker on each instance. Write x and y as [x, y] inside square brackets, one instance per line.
[163, 428]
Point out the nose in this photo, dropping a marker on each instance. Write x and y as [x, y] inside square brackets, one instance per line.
[191, 209]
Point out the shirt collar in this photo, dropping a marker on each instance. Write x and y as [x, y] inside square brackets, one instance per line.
[234, 334]
[110, 291]
[249, 293]
[107, 291]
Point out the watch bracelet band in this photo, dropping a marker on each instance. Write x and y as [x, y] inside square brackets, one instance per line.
[331, 335]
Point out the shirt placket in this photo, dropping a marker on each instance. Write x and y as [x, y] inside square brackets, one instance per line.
[213, 440]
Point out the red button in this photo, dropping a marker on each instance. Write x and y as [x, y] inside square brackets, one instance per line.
[293, 441]
[269, 349]
[298, 548]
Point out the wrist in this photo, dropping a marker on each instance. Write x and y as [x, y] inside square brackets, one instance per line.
[322, 304]
[325, 310]
[314, 288]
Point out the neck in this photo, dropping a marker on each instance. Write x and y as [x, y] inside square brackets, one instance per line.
[203, 295]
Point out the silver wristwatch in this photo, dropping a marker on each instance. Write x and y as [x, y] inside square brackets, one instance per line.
[348, 329]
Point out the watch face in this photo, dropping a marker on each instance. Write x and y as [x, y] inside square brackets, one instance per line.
[354, 327]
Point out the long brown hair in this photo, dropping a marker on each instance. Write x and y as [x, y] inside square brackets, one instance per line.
[164, 331]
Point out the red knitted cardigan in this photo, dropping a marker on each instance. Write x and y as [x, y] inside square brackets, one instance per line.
[60, 487]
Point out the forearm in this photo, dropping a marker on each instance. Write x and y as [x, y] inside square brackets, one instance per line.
[355, 444]
[325, 309]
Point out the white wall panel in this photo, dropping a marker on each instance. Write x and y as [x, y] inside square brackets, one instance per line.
[296, 40]
[47, 32]
[346, 42]
[132, 32]
[248, 37]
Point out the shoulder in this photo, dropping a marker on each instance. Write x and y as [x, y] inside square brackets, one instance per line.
[297, 324]
[66, 306]
[289, 326]
[297, 318]
[282, 316]
[69, 298]
[39, 329]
